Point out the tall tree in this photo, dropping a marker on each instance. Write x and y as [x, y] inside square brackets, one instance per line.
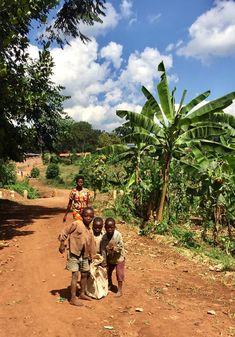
[20, 101]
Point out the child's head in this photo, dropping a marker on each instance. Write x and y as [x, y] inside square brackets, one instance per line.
[110, 226]
[79, 181]
[87, 215]
[97, 226]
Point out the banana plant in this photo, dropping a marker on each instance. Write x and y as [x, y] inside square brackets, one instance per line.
[172, 129]
[214, 182]
[136, 150]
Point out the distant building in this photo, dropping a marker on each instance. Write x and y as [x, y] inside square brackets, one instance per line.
[79, 154]
[30, 155]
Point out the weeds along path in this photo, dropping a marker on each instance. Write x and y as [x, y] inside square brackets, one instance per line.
[176, 297]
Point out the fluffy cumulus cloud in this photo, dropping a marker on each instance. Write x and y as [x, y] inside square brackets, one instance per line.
[97, 78]
[213, 33]
[112, 52]
[99, 84]
[142, 68]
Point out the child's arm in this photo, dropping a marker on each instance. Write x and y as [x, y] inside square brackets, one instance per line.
[62, 247]
[64, 235]
[103, 252]
[118, 247]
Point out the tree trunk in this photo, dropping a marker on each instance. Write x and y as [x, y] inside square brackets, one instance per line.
[166, 175]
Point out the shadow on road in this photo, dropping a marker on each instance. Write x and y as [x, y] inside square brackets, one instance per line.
[63, 293]
[14, 216]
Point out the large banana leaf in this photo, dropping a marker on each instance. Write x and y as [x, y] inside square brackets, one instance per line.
[180, 111]
[114, 149]
[213, 147]
[194, 102]
[144, 138]
[164, 94]
[147, 110]
[214, 106]
[215, 117]
[140, 120]
[153, 104]
[201, 132]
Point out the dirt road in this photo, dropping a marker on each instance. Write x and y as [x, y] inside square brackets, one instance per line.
[178, 297]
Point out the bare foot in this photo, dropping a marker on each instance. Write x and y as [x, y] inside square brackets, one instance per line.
[84, 297]
[113, 288]
[75, 301]
[118, 294]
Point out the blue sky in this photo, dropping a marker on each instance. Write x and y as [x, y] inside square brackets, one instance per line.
[194, 38]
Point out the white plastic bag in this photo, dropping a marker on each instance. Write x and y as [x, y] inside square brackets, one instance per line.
[97, 283]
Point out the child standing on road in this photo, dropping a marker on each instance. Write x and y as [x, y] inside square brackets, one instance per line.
[81, 251]
[97, 227]
[97, 285]
[79, 198]
[112, 250]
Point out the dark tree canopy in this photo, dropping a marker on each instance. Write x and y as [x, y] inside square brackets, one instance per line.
[30, 103]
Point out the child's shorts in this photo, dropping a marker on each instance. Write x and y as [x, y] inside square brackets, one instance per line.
[77, 263]
[119, 270]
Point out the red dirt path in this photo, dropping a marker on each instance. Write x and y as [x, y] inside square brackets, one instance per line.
[174, 292]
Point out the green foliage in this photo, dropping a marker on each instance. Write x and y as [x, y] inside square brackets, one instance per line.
[215, 254]
[72, 14]
[7, 173]
[166, 131]
[52, 171]
[27, 94]
[106, 139]
[162, 228]
[54, 159]
[184, 237]
[21, 186]
[124, 207]
[35, 172]
[45, 158]
[109, 213]
[228, 244]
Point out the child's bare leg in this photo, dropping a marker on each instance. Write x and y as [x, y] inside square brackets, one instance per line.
[83, 295]
[109, 273]
[74, 300]
[119, 293]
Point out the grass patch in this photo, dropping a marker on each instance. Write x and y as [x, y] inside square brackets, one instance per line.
[21, 186]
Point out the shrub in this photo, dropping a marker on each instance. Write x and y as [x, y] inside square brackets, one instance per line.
[109, 213]
[7, 173]
[162, 228]
[54, 159]
[20, 186]
[35, 172]
[52, 171]
[45, 158]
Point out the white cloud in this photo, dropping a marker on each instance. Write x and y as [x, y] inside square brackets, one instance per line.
[142, 67]
[96, 90]
[113, 52]
[110, 21]
[126, 8]
[33, 52]
[132, 21]
[173, 46]
[154, 18]
[213, 33]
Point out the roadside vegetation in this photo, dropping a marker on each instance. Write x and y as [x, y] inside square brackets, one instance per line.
[172, 166]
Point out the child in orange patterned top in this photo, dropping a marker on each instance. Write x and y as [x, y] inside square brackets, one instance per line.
[79, 198]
